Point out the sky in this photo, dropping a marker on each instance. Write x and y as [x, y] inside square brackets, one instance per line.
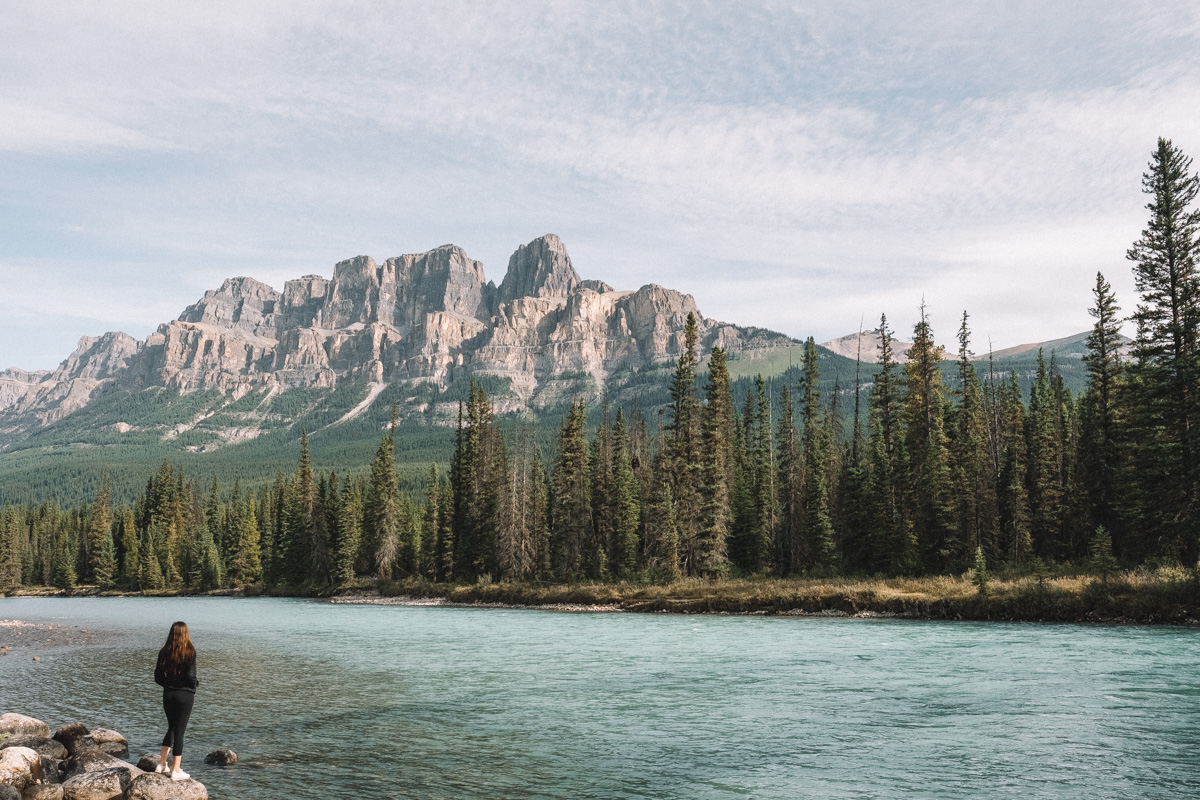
[796, 166]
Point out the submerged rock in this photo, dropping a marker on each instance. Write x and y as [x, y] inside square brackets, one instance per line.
[155, 786]
[221, 758]
[15, 725]
[104, 784]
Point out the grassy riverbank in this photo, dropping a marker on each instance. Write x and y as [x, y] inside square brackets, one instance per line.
[1170, 596]
[1165, 596]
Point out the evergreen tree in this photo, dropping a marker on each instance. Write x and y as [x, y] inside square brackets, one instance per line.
[1103, 564]
[248, 564]
[212, 509]
[65, 575]
[1045, 467]
[275, 543]
[131, 556]
[571, 512]
[662, 534]
[104, 563]
[1100, 455]
[331, 508]
[539, 517]
[99, 531]
[790, 543]
[754, 491]
[599, 548]
[381, 507]
[929, 479]
[10, 549]
[716, 450]
[209, 565]
[894, 546]
[1011, 490]
[1166, 356]
[979, 576]
[683, 448]
[430, 526]
[973, 473]
[854, 495]
[817, 528]
[478, 477]
[349, 534]
[446, 501]
[625, 503]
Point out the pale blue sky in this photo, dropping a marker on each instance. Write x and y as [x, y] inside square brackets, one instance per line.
[794, 166]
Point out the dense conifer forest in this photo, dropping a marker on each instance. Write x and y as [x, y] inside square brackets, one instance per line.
[921, 474]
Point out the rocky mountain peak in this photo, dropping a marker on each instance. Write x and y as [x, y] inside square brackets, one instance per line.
[428, 317]
[541, 268]
[241, 302]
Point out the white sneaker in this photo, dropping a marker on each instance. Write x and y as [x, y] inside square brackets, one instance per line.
[161, 768]
[179, 775]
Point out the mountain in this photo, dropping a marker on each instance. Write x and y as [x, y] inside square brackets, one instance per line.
[429, 317]
[865, 344]
[227, 387]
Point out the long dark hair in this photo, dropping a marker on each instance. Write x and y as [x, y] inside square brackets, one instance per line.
[178, 652]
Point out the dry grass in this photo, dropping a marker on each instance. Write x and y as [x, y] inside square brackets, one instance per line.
[1164, 596]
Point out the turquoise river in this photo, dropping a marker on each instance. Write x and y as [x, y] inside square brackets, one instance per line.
[360, 701]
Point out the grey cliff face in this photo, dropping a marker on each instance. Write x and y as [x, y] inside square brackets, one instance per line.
[51, 396]
[242, 303]
[430, 316]
[541, 268]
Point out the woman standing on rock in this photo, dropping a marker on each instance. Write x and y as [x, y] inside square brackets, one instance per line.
[176, 673]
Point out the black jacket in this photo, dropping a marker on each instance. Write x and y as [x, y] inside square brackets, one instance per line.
[187, 681]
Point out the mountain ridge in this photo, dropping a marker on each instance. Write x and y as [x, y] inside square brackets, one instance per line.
[424, 317]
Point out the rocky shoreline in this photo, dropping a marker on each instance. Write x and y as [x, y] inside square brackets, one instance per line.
[78, 763]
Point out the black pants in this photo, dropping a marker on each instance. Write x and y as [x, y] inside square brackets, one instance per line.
[178, 705]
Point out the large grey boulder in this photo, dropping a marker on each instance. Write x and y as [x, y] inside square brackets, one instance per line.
[15, 725]
[19, 767]
[45, 747]
[93, 760]
[155, 786]
[109, 741]
[148, 762]
[104, 784]
[74, 737]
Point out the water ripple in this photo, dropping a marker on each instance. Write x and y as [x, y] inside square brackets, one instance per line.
[391, 702]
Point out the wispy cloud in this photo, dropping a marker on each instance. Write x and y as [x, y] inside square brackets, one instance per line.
[791, 166]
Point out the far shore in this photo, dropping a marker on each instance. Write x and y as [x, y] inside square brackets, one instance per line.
[1157, 598]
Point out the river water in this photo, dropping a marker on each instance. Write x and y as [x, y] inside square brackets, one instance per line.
[345, 701]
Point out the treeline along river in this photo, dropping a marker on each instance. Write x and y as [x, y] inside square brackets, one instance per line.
[324, 701]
